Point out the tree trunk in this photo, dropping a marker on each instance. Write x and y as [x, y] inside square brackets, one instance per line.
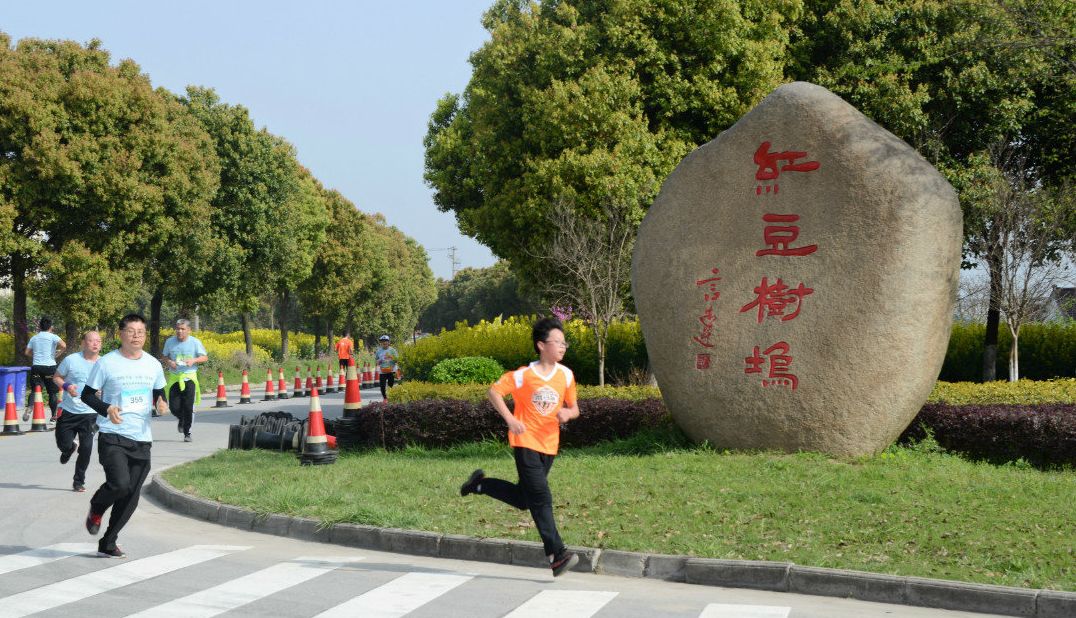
[329, 334]
[247, 337]
[1014, 355]
[317, 336]
[284, 325]
[196, 322]
[155, 305]
[18, 311]
[993, 323]
[71, 334]
[599, 340]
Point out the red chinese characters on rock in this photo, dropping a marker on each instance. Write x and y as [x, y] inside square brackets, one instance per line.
[779, 359]
[707, 319]
[768, 166]
[773, 299]
[780, 237]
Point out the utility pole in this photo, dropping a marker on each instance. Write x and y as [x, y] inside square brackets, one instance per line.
[452, 258]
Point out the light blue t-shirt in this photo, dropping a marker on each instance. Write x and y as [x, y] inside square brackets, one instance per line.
[44, 346]
[181, 351]
[129, 384]
[386, 357]
[75, 369]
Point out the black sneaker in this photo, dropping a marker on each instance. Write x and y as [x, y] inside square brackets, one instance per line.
[79, 487]
[187, 438]
[564, 562]
[471, 486]
[93, 522]
[66, 456]
[179, 426]
[26, 415]
[115, 552]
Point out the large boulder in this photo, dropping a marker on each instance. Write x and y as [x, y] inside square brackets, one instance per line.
[795, 280]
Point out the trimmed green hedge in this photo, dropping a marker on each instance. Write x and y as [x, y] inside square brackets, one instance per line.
[1024, 392]
[509, 343]
[467, 370]
[1047, 350]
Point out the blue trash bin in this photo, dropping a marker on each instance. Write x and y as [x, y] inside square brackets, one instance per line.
[15, 376]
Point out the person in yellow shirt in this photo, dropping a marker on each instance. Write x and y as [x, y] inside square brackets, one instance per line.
[544, 395]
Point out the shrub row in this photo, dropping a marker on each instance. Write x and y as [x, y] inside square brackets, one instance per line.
[1047, 350]
[1042, 435]
[439, 423]
[509, 343]
[466, 370]
[417, 391]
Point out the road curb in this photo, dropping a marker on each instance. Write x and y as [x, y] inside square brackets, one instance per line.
[760, 575]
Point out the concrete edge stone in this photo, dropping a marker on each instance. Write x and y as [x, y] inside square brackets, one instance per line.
[356, 535]
[763, 575]
[459, 547]
[417, 542]
[666, 567]
[1055, 604]
[622, 563]
[847, 584]
[971, 597]
[757, 574]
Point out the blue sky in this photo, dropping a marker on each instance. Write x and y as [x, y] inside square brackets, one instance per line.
[351, 84]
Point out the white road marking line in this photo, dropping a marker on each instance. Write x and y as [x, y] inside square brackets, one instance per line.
[398, 597]
[91, 584]
[246, 589]
[43, 555]
[563, 604]
[721, 610]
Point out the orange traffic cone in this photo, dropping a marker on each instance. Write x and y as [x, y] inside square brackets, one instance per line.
[330, 384]
[399, 373]
[244, 392]
[364, 377]
[352, 396]
[317, 384]
[270, 388]
[222, 395]
[316, 446]
[38, 423]
[340, 382]
[11, 414]
[298, 390]
[282, 388]
[309, 383]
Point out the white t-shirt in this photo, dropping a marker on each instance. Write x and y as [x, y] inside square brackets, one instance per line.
[75, 369]
[44, 346]
[129, 384]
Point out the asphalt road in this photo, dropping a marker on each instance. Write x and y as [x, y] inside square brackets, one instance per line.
[182, 567]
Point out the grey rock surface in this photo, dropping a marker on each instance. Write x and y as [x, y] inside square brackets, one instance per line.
[795, 279]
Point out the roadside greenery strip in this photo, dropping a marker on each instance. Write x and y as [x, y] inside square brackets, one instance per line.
[908, 511]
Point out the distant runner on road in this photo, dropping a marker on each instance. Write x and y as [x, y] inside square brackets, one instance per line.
[42, 349]
[77, 419]
[386, 356]
[122, 389]
[344, 348]
[181, 355]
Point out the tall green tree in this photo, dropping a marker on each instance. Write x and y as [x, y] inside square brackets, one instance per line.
[593, 102]
[88, 152]
[302, 232]
[259, 178]
[476, 294]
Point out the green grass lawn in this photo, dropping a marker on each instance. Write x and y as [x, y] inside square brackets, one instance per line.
[908, 511]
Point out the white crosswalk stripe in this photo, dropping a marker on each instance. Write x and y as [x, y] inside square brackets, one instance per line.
[91, 584]
[563, 604]
[43, 555]
[398, 597]
[720, 610]
[246, 589]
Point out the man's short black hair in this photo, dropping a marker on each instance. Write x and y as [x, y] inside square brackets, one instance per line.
[131, 317]
[44, 324]
[542, 329]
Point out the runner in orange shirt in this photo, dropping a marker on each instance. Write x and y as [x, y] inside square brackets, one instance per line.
[544, 395]
[344, 348]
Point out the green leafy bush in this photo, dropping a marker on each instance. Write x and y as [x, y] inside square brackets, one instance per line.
[7, 349]
[466, 370]
[1047, 350]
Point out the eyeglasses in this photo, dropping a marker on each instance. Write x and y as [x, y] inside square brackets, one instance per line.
[133, 333]
[563, 344]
